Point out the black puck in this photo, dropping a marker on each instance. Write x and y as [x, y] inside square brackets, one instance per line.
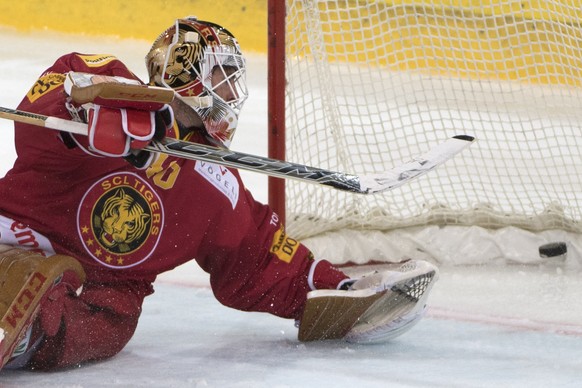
[553, 249]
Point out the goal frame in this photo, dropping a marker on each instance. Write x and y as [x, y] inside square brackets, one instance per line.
[534, 228]
[276, 100]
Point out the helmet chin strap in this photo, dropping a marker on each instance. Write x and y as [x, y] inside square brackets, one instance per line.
[197, 102]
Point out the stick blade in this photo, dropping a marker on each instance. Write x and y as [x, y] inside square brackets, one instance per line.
[398, 176]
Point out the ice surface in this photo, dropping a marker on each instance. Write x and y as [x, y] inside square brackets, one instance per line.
[487, 326]
[186, 339]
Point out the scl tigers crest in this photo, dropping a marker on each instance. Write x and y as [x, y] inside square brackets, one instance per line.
[119, 220]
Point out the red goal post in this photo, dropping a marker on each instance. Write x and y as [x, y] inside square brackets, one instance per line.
[276, 99]
[357, 86]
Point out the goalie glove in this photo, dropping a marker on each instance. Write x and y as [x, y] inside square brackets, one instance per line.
[123, 116]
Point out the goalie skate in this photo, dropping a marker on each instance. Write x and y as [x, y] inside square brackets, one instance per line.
[25, 280]
[376, 308]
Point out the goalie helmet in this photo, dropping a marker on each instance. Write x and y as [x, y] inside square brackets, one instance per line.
[203, 63]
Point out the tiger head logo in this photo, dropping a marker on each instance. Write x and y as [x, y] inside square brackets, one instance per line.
[180, 59]
[120, 220]
[123, 221]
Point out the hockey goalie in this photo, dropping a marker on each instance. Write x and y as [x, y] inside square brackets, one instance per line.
[87, 223]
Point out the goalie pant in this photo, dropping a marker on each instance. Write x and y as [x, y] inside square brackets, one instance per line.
[126, 226]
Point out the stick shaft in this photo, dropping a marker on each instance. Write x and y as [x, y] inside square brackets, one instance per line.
[364, 184]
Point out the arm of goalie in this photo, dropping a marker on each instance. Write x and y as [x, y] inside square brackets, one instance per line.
[374, 309]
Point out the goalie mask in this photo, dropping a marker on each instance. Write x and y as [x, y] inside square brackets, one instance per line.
[203, 63]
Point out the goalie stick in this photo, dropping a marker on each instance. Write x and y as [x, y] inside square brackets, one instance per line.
[362, 184]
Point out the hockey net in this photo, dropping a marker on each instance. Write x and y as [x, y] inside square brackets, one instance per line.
[371, 84]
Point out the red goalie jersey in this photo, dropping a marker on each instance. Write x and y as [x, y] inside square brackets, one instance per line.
[126, 226]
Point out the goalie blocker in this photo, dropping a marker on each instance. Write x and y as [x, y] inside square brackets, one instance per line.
[375, 308]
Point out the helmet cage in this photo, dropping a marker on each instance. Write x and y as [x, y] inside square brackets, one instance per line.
[204, 65]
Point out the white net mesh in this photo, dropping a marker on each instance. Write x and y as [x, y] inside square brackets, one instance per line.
[373, 83]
